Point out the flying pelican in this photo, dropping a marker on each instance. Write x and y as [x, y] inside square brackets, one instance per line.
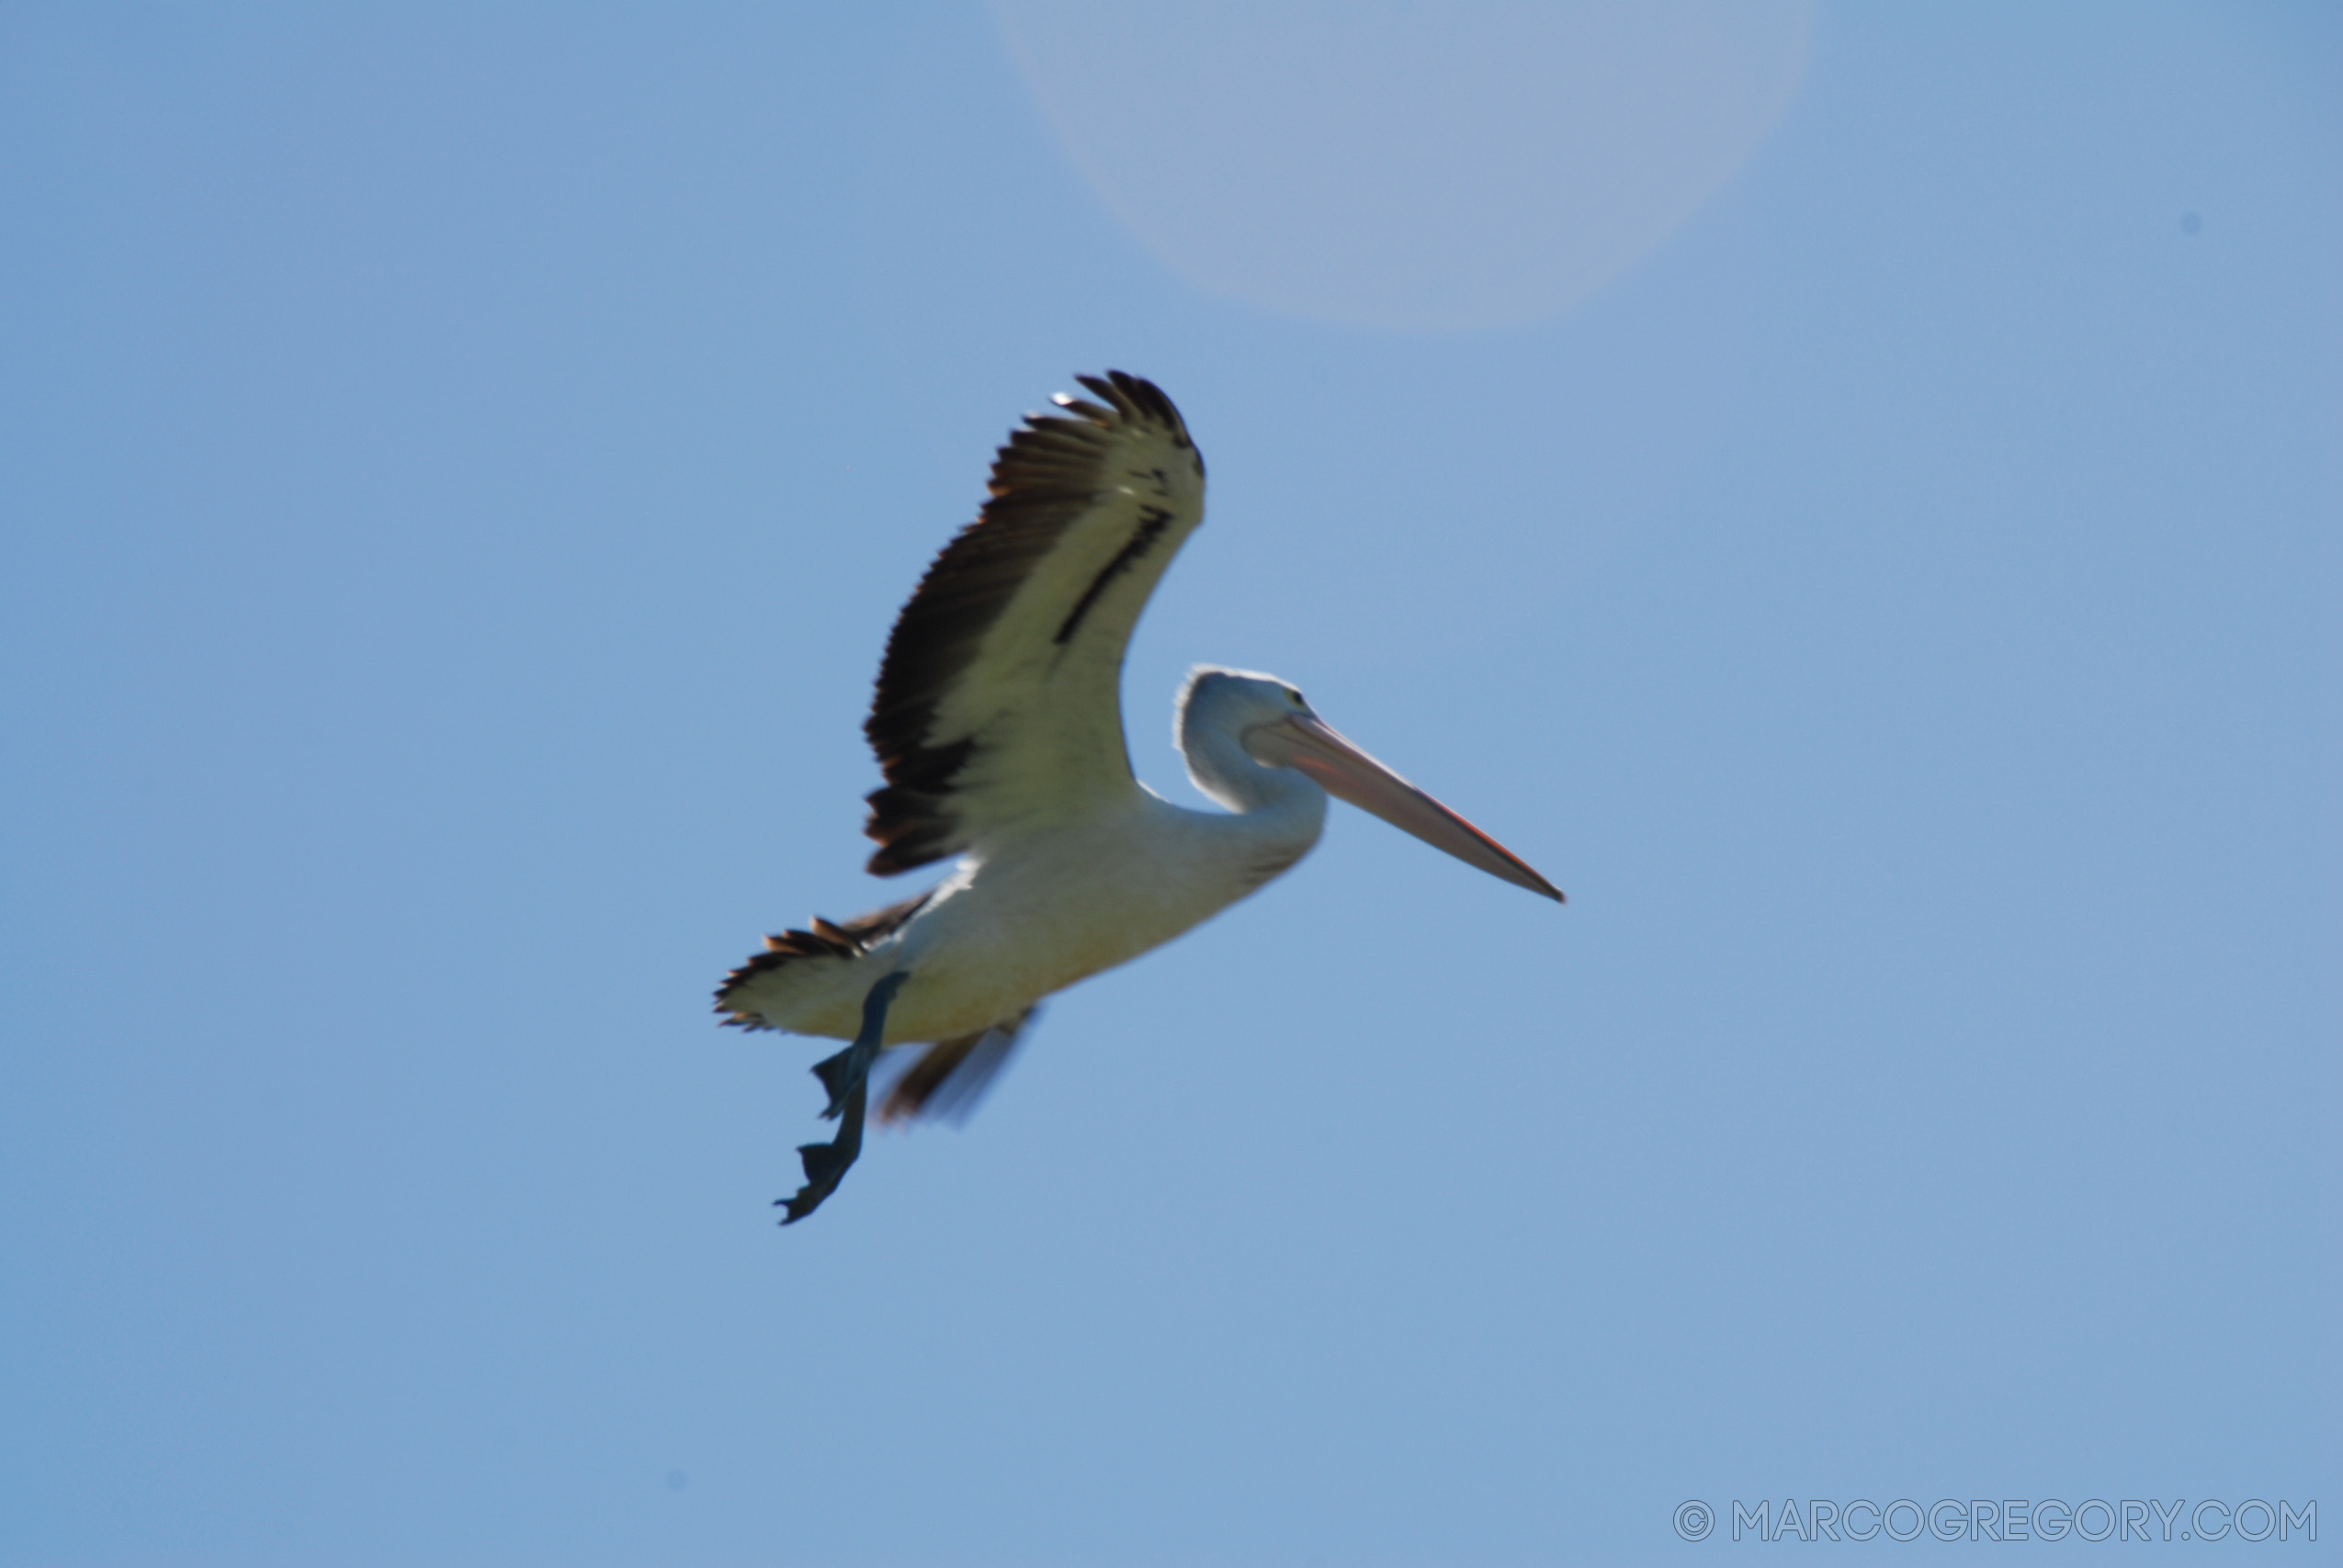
[998, 723]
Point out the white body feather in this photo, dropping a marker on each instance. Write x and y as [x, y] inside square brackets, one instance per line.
[1032, 913]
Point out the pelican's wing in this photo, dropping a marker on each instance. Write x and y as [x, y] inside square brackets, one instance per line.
[952, 1076]
[999, 702]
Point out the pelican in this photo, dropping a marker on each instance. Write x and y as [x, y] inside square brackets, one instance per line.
[998, 724]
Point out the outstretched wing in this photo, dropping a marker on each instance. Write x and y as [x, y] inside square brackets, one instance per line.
[1000, 701]
[952, 1076]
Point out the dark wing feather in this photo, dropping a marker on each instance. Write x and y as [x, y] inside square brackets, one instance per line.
[952, 1076]
[999, 701]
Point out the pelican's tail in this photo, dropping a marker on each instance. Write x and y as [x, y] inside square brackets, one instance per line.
[772, 989]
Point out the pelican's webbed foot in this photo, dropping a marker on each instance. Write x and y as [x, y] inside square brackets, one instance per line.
[847, 1078]
[826, 1164]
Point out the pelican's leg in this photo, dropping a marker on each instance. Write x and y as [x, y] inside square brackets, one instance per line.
[847, 1078]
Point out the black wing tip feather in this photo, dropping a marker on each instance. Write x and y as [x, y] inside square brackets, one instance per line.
[1133, 398]
[1042, 478]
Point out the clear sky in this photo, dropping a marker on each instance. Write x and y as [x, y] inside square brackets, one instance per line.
[460, 467]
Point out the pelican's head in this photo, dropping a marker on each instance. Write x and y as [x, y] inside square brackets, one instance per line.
[1228, 718]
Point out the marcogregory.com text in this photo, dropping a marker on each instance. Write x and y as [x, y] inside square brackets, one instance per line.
[2007, 1519]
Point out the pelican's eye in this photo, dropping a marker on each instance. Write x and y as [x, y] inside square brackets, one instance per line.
[1295, 697]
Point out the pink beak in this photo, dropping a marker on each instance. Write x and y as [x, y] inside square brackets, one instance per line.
[1315, 749]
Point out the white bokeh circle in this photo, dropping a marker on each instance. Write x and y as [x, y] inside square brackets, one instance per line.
[1406, 166]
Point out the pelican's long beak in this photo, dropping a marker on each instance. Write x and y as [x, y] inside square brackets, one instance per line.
[1314, 749]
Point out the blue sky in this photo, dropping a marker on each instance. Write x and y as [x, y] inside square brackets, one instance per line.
[462, 465]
